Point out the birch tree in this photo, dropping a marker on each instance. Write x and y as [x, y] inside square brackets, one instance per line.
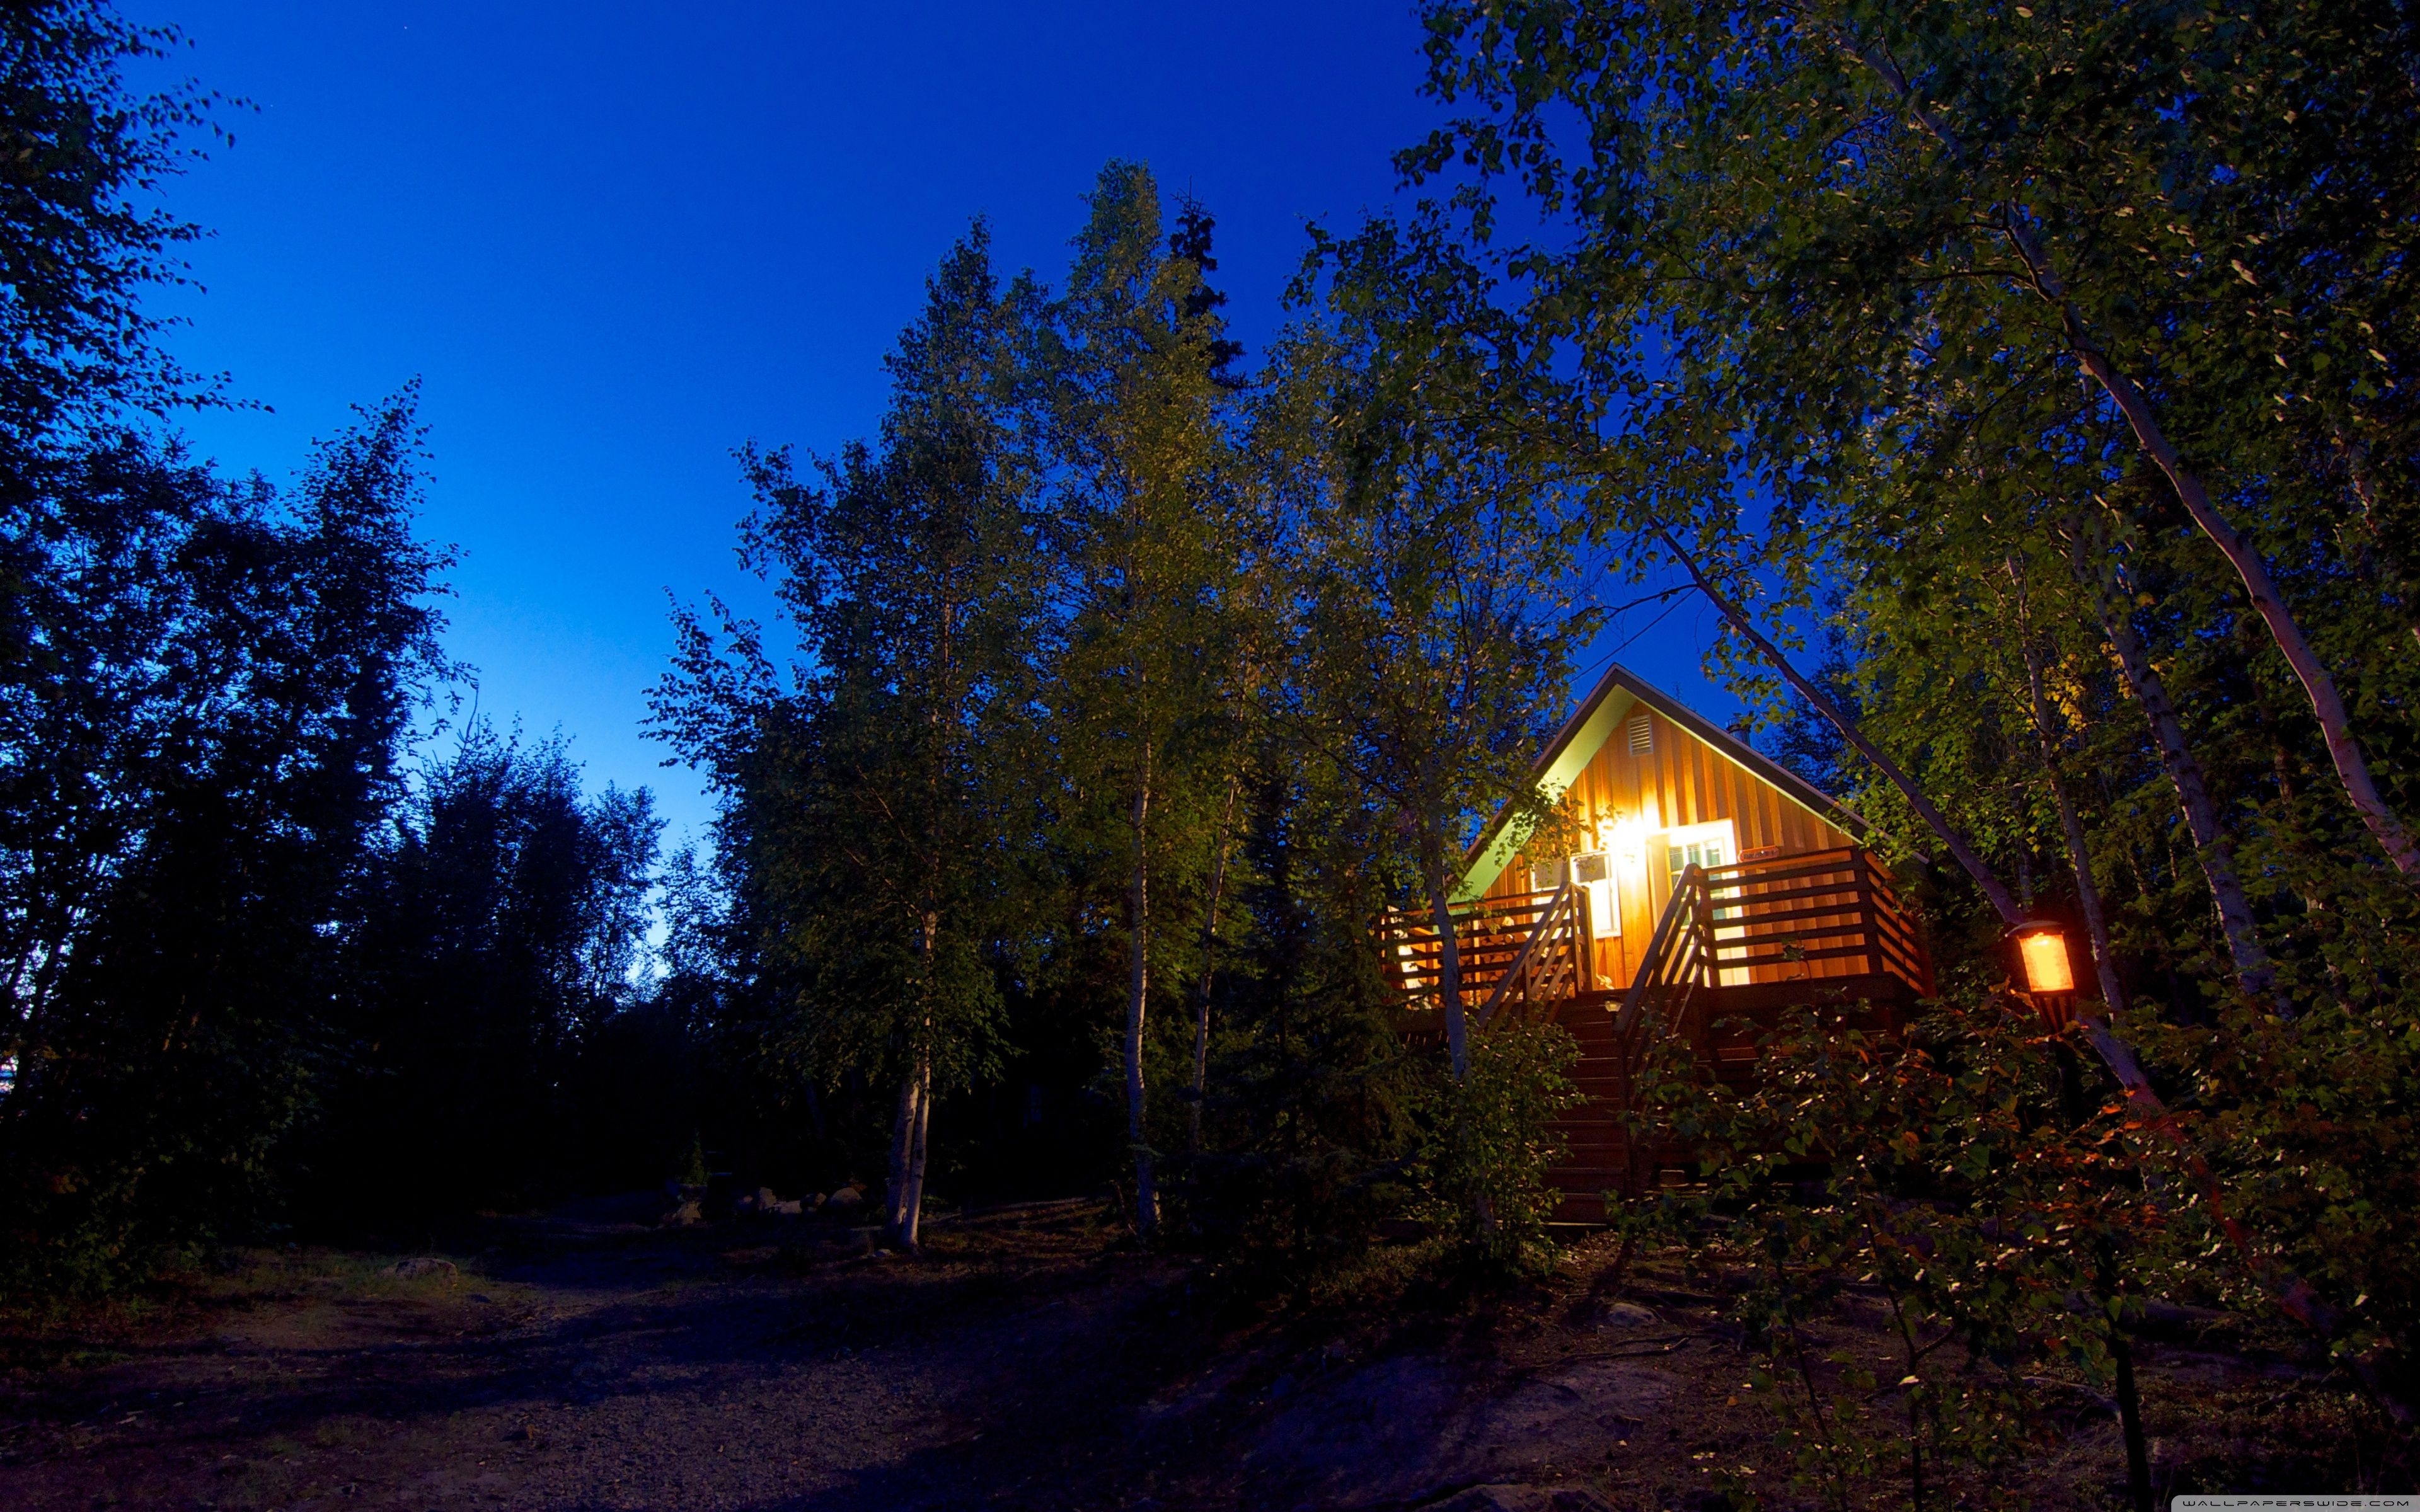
[870, 797]
[1826, 216]
[1436, 567]
[1146, 552]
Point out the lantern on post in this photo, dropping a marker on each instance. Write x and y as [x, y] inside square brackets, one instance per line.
[2049, 972]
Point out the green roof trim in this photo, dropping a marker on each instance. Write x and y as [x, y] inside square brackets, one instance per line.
[1566, 756]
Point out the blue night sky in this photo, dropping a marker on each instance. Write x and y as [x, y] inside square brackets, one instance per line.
[615, 242]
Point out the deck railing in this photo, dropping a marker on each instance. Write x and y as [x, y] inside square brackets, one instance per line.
[1809, 917]
[1817, 915]
[1674, 967]
[1510, 952]
[1821, 914]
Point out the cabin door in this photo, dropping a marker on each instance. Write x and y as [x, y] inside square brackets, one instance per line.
[1703, 845]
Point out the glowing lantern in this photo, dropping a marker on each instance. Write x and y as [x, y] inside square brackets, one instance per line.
[2043, 949]
[2050, 976]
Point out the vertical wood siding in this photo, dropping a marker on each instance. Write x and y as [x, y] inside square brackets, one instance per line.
[1680, 782]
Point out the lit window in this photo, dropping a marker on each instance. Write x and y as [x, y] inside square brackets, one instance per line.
[1594, 874]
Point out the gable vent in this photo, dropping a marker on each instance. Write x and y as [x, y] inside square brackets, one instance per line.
[1642, 735]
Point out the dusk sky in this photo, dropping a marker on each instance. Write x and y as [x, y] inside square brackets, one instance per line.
[615, 242]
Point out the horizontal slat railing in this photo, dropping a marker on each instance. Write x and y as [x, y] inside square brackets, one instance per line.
[1796, 919]
[1823, 914]
[1491, 941]
[1830, 912]
[1675, 961]
[1553, 963]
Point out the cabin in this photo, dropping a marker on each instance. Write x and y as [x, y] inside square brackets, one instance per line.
[1687, 887]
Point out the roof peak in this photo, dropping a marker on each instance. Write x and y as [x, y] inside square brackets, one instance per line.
[1585, 733]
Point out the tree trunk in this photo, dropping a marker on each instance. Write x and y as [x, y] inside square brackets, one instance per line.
[1202, 988]
[1457, 1029]
[2151, 440]
[2334, 725]
[2104, 966]
[1457, 1025]
[2087, 892]
[1139, 986]
[905, 1186]
[2130, 1421]
[903, 1213]
[914, 1221]
[2253, 972]
[2005, 905]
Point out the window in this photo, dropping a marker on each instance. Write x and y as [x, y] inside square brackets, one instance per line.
[1594, 874]
[1706, 845]
[1709, 845]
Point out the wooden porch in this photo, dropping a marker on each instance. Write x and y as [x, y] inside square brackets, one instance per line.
[1734, 949]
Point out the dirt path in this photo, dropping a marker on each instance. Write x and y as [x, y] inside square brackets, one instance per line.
[603, 1365]
[1027, 1360]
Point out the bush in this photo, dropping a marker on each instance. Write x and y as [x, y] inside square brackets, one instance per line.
[1951, 1186]
[1488, 1144]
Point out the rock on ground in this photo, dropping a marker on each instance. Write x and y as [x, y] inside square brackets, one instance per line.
[1522, 1499]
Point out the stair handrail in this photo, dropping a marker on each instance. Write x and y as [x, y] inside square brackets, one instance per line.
[1562, 901]
[1686, 892]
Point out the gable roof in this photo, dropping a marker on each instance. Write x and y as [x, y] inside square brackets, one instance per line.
[1617, 692]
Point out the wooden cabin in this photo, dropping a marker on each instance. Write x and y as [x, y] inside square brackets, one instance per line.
[1688, 886]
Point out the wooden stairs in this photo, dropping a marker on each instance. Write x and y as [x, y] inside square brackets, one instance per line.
[1736, 948]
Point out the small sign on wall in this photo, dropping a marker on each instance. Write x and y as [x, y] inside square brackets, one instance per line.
[1763, 853]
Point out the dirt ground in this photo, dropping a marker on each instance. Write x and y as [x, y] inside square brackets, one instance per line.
[587, 1360]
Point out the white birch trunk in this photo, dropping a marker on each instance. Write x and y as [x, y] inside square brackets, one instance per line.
[1209, 969]
[1138, 992]
[2253, 972]
[1973, 866]
[904, 1191]
[2151, 440]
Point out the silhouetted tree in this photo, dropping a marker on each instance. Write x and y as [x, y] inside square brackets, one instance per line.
[499, 937]
[219, 682]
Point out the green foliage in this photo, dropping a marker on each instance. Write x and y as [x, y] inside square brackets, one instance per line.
[1918, 328]
[1486, 1144]
[1437, 575]
[1308, 1118]
[198, 747]
[2310, 1123]
[873, 798]
[1942, 1188]
[1149, 538]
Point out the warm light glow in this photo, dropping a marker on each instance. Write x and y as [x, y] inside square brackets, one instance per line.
[1627, 840]
[2046, 965]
